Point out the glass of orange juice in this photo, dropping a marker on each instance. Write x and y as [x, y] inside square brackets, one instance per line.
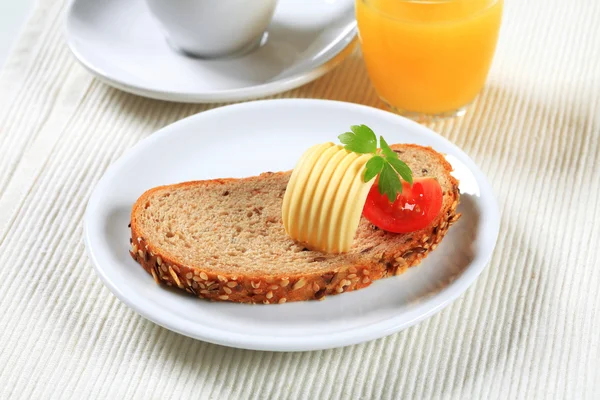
[428, 58]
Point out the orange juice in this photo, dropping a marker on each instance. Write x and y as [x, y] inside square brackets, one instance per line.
[428, 56]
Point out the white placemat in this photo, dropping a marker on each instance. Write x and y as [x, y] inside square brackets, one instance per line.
[529, 327]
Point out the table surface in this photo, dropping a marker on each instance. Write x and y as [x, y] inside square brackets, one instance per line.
[528, 328]
[13, 15]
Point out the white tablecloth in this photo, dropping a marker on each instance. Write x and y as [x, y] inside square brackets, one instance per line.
[528, 328]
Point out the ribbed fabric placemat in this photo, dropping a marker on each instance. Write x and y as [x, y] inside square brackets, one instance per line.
[529, 327]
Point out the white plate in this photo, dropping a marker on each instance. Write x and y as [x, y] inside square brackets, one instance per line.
[250, 138]
[119, 42]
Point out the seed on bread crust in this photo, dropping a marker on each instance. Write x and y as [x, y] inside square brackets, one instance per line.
[175, 277]
[154, 276]
[454, 218]
[328, 277]
[299, 284]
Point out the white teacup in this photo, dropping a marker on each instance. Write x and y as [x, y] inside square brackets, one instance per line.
[213, 28]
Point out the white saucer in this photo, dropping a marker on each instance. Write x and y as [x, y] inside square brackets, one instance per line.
[246, 139]
[119, 42]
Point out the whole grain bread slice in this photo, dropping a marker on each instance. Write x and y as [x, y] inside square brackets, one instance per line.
[223, 239]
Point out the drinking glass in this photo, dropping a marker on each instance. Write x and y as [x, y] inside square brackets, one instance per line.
[428, 58]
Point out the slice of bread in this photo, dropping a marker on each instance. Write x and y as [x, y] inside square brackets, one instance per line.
[223, 239]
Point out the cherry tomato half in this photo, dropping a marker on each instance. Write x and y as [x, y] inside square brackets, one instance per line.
[412, 210]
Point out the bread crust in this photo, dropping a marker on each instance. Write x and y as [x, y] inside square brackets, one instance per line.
[276, 289]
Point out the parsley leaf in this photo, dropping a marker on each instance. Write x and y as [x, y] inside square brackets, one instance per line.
[373, 167]
[389, 182]
[402, 169]
[361, 140]
[385, 149]
[385, 162]
[392, 157]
